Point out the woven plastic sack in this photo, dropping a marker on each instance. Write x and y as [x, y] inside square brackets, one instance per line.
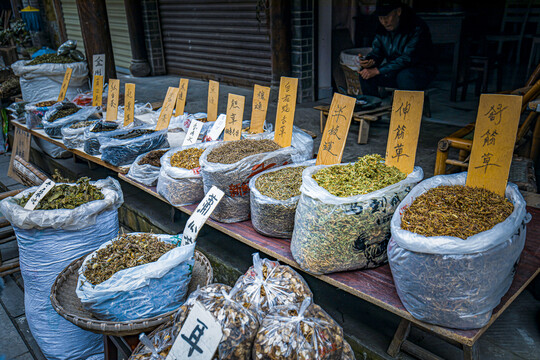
[180, 186]
[333, 233]
[74, 138]
[142, 291]
[298, 332]
[272, 217]
[54, 128]
[268, 284]
[33, 114]
[91, 136]
[43, 81]
[453, 282]
[233, 179]
[119, 152]
[145, 174]
[49, 240]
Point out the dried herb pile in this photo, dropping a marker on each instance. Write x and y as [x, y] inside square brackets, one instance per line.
[457, 210]
[128, 251]
[233, 151]
[153, 158]
[65, 196]
[133, 134]
[46, 103]
[82, 124]
[366, 175]
[51, 59]
[281, 184]
[103, 126]
[68, 109]
[187, 159]
[10, 87]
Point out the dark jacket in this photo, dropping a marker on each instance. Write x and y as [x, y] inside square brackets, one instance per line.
[407, 46]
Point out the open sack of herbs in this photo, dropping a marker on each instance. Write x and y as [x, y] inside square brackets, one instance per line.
[342, 220]
[73, 134]
[91, 134]
[146, 167]
[63, 114]
[454, 249]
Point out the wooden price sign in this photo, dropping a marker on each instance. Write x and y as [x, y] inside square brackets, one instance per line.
[261, 95]
[167, 108]
[494, 139]
[21, 147]
[129, 107]
[235, 113]
[285, 111]
[181, 99]
[113, 97]
[404, 129]
[336, 130]
[65, 84]
[98, 64]
[97, 92]
[213, 98]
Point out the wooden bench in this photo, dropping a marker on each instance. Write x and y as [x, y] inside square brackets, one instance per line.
[363, 117]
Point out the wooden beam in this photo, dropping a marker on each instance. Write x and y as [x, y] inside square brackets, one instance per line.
[280, 39]
[60, 20]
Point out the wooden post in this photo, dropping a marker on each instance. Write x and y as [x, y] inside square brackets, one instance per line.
[60, 20]
[280, 39]
[96, 34]
[139, 57]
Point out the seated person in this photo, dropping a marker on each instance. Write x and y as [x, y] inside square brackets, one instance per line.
[402, 51]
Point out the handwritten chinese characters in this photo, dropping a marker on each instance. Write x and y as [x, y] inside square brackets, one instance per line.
[285, 111]
[404, 129]
[40, 193]
[98, 62]
[129, 108]
[493, 144]
[261, 96]
[181, 99]
[201, 214]
[235, 113]
[213, 97]
[97, 93]
[65, 84]
[193, 133]
[21, 146]
[336, 130]
[112, 99]
[167, 108]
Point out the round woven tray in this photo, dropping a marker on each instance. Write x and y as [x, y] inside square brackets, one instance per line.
[66, 303]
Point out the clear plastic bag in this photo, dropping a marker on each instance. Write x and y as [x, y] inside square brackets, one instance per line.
[455, 282]
[145, 174]
[334, 233]
[74, 138]
[33, 114]
[298, 332]
[142, 291]
[54, 129]
[180, 186]
[273, 217]
[267, 285]
[91, 136]
[348, 353]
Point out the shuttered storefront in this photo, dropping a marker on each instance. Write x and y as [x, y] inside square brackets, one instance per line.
[117, 24]
[218, 40]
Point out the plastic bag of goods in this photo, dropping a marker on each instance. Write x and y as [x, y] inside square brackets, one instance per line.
[34, 112]
[455, 275]
[122, 149]
[146, 167]
[180, 181]
[49, 239]
[101, 128]
[268, 284]
[274, 197]
[343, 216]
[73, 134]
[298, 331]
[136, 276]
[184, 122]
[65, 113]
[54, 151]
[43, 81]
[230, 165]
[246, 133]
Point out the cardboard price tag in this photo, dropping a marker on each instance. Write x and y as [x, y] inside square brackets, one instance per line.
[98, 65]
[129, 107]
[97, 91]
[201, 214]
[494, 139]
[217, 128]
[261, 95]
[40, 193]
[113, 97]
[199, 337]
[21, 146]
[193, 132]
[336, 130]
[404, 130]
[181, 99]
[65, 84]
[235, 113]
[167, 108]
[213, 98]
[285, 111]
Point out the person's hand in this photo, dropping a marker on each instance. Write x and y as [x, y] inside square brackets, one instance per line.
[365, 63]
[369, 73]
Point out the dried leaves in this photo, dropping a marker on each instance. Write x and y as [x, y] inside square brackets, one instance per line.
[187, 159]
[366, 175]
[458, 210]
[123, 253]
[233, 151]
[62, 113]
[281, 184]
[133, 134]
[50, 59]
[82, 124]
[153, 158]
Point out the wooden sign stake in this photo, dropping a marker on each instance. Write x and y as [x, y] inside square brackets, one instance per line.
[112, 99]
[261, 95]
[65, 84]
[182, 95]
[213, 98]
[21, 146]
[167, 108]
[97, 90]
[129, 107]
[285, 111]
[235, 114]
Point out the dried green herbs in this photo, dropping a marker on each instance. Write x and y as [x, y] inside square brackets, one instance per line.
[187, 159]
[233, 151]
[457, 210]
[64, 196]
[103, 126]
[133, 134]
[153, 158]
[128, 251]
[61, 113]
[281, 184]
[81, 124]
[366, 175]
[51, 59]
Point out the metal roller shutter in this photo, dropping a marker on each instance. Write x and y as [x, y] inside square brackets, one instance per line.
[218, 40]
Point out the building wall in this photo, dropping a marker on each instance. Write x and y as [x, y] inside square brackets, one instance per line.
[152, 35]
[302, 48]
